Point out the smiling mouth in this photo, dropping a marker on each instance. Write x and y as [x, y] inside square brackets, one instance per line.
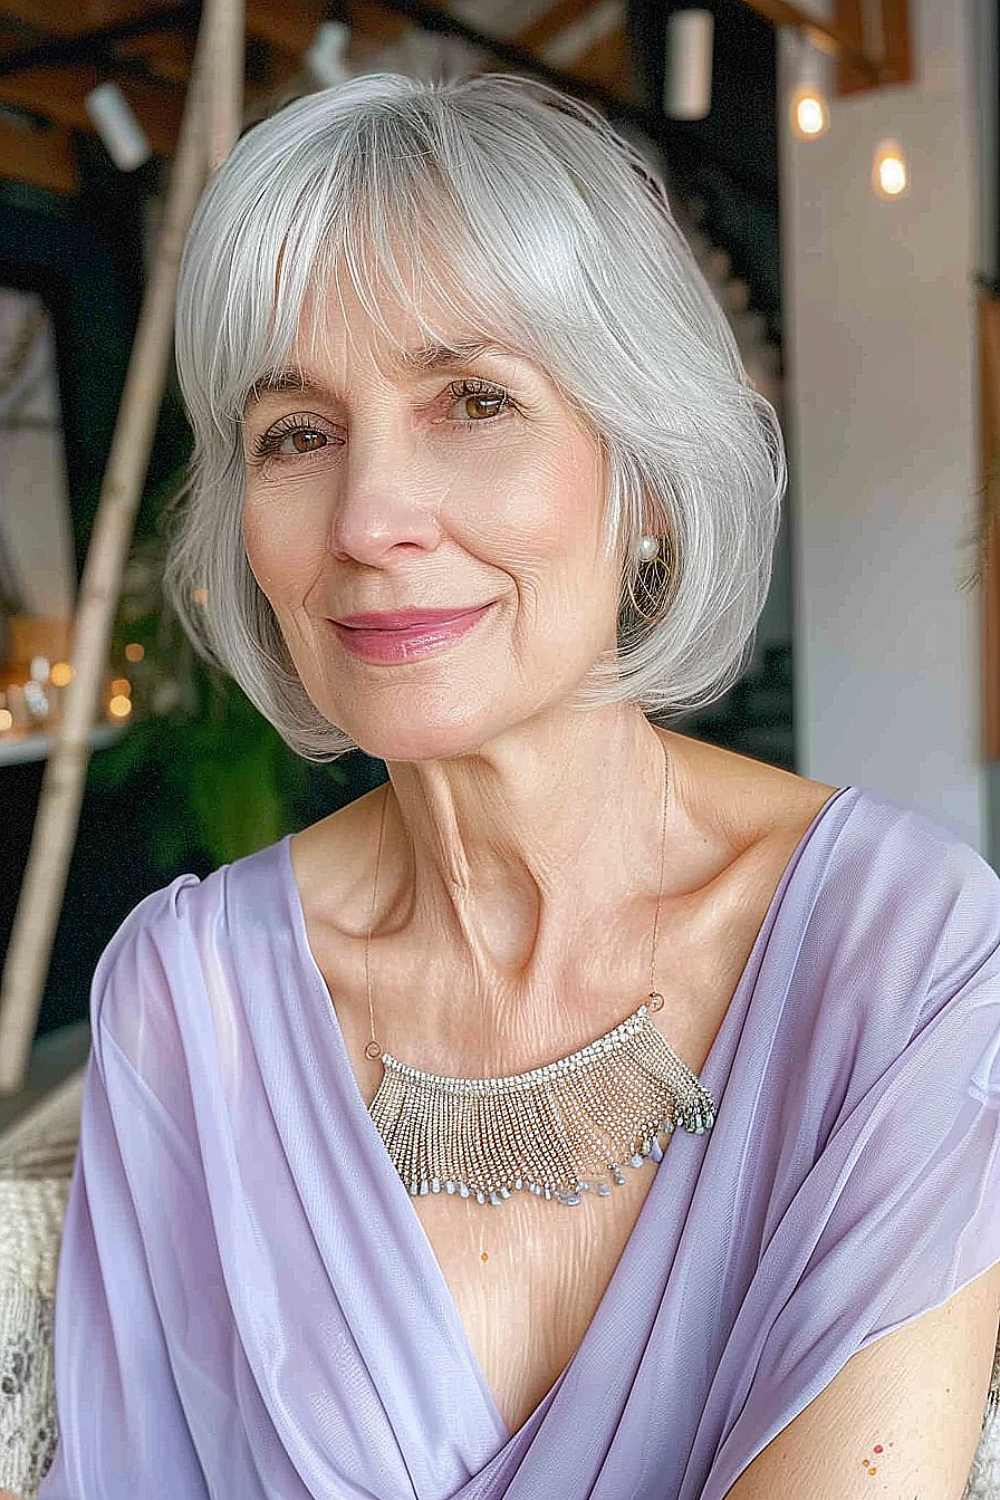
[384, 645]
[406, 619]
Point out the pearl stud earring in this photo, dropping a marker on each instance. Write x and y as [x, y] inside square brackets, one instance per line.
[648, 548]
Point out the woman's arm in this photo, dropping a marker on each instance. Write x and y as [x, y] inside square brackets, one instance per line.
[122, 1429]
[911, 1404]
[122, 1425]
[886, 1259]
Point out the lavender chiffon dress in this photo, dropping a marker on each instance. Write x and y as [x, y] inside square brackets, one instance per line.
[247, 1304]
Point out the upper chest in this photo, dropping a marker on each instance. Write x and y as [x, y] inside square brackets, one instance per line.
[526, 1278]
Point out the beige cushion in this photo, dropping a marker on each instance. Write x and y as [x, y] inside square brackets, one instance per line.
[36, 1160]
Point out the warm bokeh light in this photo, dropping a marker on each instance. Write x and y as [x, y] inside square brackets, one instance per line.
[61, 674]
[122, 687]
[6, 719]
[134, 651]
[889, 175]
[120, 706]
[810, 114]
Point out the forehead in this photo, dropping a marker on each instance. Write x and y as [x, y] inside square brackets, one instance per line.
[405, 335]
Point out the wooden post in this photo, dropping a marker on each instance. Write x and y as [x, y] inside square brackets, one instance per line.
[54, 833]
[225, 96]
[989, 541]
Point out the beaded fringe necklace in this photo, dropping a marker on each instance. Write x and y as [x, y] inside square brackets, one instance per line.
[558, 1130]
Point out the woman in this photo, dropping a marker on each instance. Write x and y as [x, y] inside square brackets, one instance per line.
[480, 486]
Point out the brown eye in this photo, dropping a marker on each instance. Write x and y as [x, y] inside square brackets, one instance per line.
[480, 400]
[474, 405]
[293, 438]
[306, 439]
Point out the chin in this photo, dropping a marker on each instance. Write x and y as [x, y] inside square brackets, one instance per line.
[414, 735]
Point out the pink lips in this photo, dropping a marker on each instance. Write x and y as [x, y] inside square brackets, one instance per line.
[402, 619]
[406, 634]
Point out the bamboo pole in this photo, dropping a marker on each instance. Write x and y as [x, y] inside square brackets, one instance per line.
[225, 97]
[989, 540]
[41, 894]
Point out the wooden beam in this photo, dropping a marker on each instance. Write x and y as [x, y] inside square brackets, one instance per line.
[850, 23]
[45, 158]
[59, 93]
[783, 13]
[896, 60]
[93, 46]
[64, 19]
[287, 28]
[896, 30]
[551, 22]
[606, 62]
[166, 54]
[222, 107]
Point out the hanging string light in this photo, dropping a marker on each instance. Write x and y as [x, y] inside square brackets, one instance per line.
[890, 177]
[687, 80]
[809, 117]
[325, 58]
[809, 111]
[126, 142]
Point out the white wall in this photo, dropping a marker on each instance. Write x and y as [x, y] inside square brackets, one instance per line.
[881, 420]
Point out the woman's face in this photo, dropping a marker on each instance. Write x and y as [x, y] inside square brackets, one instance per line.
[438, 486]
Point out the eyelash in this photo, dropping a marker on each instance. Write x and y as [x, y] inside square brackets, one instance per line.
[266, 444]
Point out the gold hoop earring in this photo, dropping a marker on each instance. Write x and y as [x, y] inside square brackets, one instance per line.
[652, 587]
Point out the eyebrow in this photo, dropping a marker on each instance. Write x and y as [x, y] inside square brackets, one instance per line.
[421, 359]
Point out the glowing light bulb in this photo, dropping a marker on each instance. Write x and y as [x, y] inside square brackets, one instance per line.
[120, 706]
[810, 113]
[890, 178]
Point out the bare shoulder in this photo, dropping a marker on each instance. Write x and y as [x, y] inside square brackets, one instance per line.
[744, 803]
[912, 1401]
[332, 860]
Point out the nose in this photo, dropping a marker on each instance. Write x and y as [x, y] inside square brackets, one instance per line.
[386, 497]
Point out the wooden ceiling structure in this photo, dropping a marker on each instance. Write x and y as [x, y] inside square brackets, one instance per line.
[54, 52]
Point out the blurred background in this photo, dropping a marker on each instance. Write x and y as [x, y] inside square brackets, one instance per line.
[833, 164]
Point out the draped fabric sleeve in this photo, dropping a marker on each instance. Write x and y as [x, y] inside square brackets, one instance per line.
[122, 1428]
[900, 1208]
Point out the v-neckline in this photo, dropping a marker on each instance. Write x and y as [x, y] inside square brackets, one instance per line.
[422, 1247]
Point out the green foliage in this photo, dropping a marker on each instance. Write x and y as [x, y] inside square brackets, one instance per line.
[216, 781]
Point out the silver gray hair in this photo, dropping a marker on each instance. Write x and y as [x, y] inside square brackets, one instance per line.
[521, 210]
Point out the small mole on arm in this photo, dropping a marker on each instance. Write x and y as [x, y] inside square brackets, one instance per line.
[484, 1256]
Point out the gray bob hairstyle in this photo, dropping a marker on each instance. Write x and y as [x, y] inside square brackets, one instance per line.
[526, 215]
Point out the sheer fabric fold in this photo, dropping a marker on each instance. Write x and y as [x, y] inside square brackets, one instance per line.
[246, 1302]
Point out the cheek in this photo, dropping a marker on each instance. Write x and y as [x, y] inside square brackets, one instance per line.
[280, 546]
[557, 518]
[549, 505]
[549, 530]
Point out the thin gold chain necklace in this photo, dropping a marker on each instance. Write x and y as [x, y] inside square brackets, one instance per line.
[557, 1130]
